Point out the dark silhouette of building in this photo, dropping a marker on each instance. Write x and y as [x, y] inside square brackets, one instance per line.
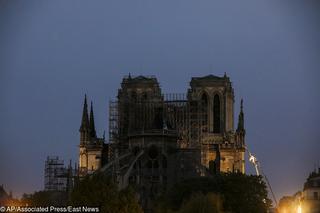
[157, 139]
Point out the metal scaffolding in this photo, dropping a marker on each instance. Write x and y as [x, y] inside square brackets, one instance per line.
[172, 114]
[57, 177]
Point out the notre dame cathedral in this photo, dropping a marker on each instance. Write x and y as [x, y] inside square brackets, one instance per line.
[157, 139]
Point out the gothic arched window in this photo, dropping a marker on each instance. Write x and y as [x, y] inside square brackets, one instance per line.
[204, 112]
[134, 119]
[134, 96]
[216, 114]
[84, 160]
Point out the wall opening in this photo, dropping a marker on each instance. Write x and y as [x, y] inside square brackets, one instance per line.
[216, 114]
[204, 112]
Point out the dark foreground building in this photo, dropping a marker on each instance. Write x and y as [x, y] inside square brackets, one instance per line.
[158, 139]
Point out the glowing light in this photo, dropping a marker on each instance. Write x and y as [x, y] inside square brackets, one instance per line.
[252, 159]
[299, 209]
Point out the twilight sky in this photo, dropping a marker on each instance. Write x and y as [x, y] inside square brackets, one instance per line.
[53, 52]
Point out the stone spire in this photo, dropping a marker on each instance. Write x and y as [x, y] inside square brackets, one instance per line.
[85, 121]
[91, 124]
[241, 118]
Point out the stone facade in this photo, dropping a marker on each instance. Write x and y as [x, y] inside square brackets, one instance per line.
[155, 139]
[91, 151]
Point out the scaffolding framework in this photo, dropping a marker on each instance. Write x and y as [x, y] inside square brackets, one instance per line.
[58, 177]
[171, 114]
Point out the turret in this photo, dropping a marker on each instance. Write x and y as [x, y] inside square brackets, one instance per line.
[84, 128]
[240, 127]
[92, 129]
[91, 147]
[241, 132]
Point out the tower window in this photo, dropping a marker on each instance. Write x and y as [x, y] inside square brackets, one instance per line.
[216, 114]
[204, 112]
[134, 96]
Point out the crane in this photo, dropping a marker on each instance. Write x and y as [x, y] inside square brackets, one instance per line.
[253, 159]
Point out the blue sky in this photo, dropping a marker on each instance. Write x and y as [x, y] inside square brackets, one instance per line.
[53, 52]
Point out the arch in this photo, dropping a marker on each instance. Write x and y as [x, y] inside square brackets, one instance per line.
[204, 111]
[213, 167]
[134, 96]
[84, 160]
[216, 114]
[204, 97]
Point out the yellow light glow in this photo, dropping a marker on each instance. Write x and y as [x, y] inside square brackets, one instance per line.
[299, 209]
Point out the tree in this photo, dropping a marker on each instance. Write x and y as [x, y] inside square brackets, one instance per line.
[239, 192]
[201, 203]
[245, 194]
[98, 190]
[45, 198]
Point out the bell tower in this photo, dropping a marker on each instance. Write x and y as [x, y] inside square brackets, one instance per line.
[222, 149]
[215, 99]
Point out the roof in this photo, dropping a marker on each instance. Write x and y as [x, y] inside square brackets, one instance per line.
[139, 77]
[208, 77]
[140, 80]
[209, 80]
[313, 180]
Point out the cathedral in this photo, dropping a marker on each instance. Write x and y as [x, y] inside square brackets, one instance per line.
[157, 139]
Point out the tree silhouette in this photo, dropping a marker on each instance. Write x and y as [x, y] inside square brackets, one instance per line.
[98, 190]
